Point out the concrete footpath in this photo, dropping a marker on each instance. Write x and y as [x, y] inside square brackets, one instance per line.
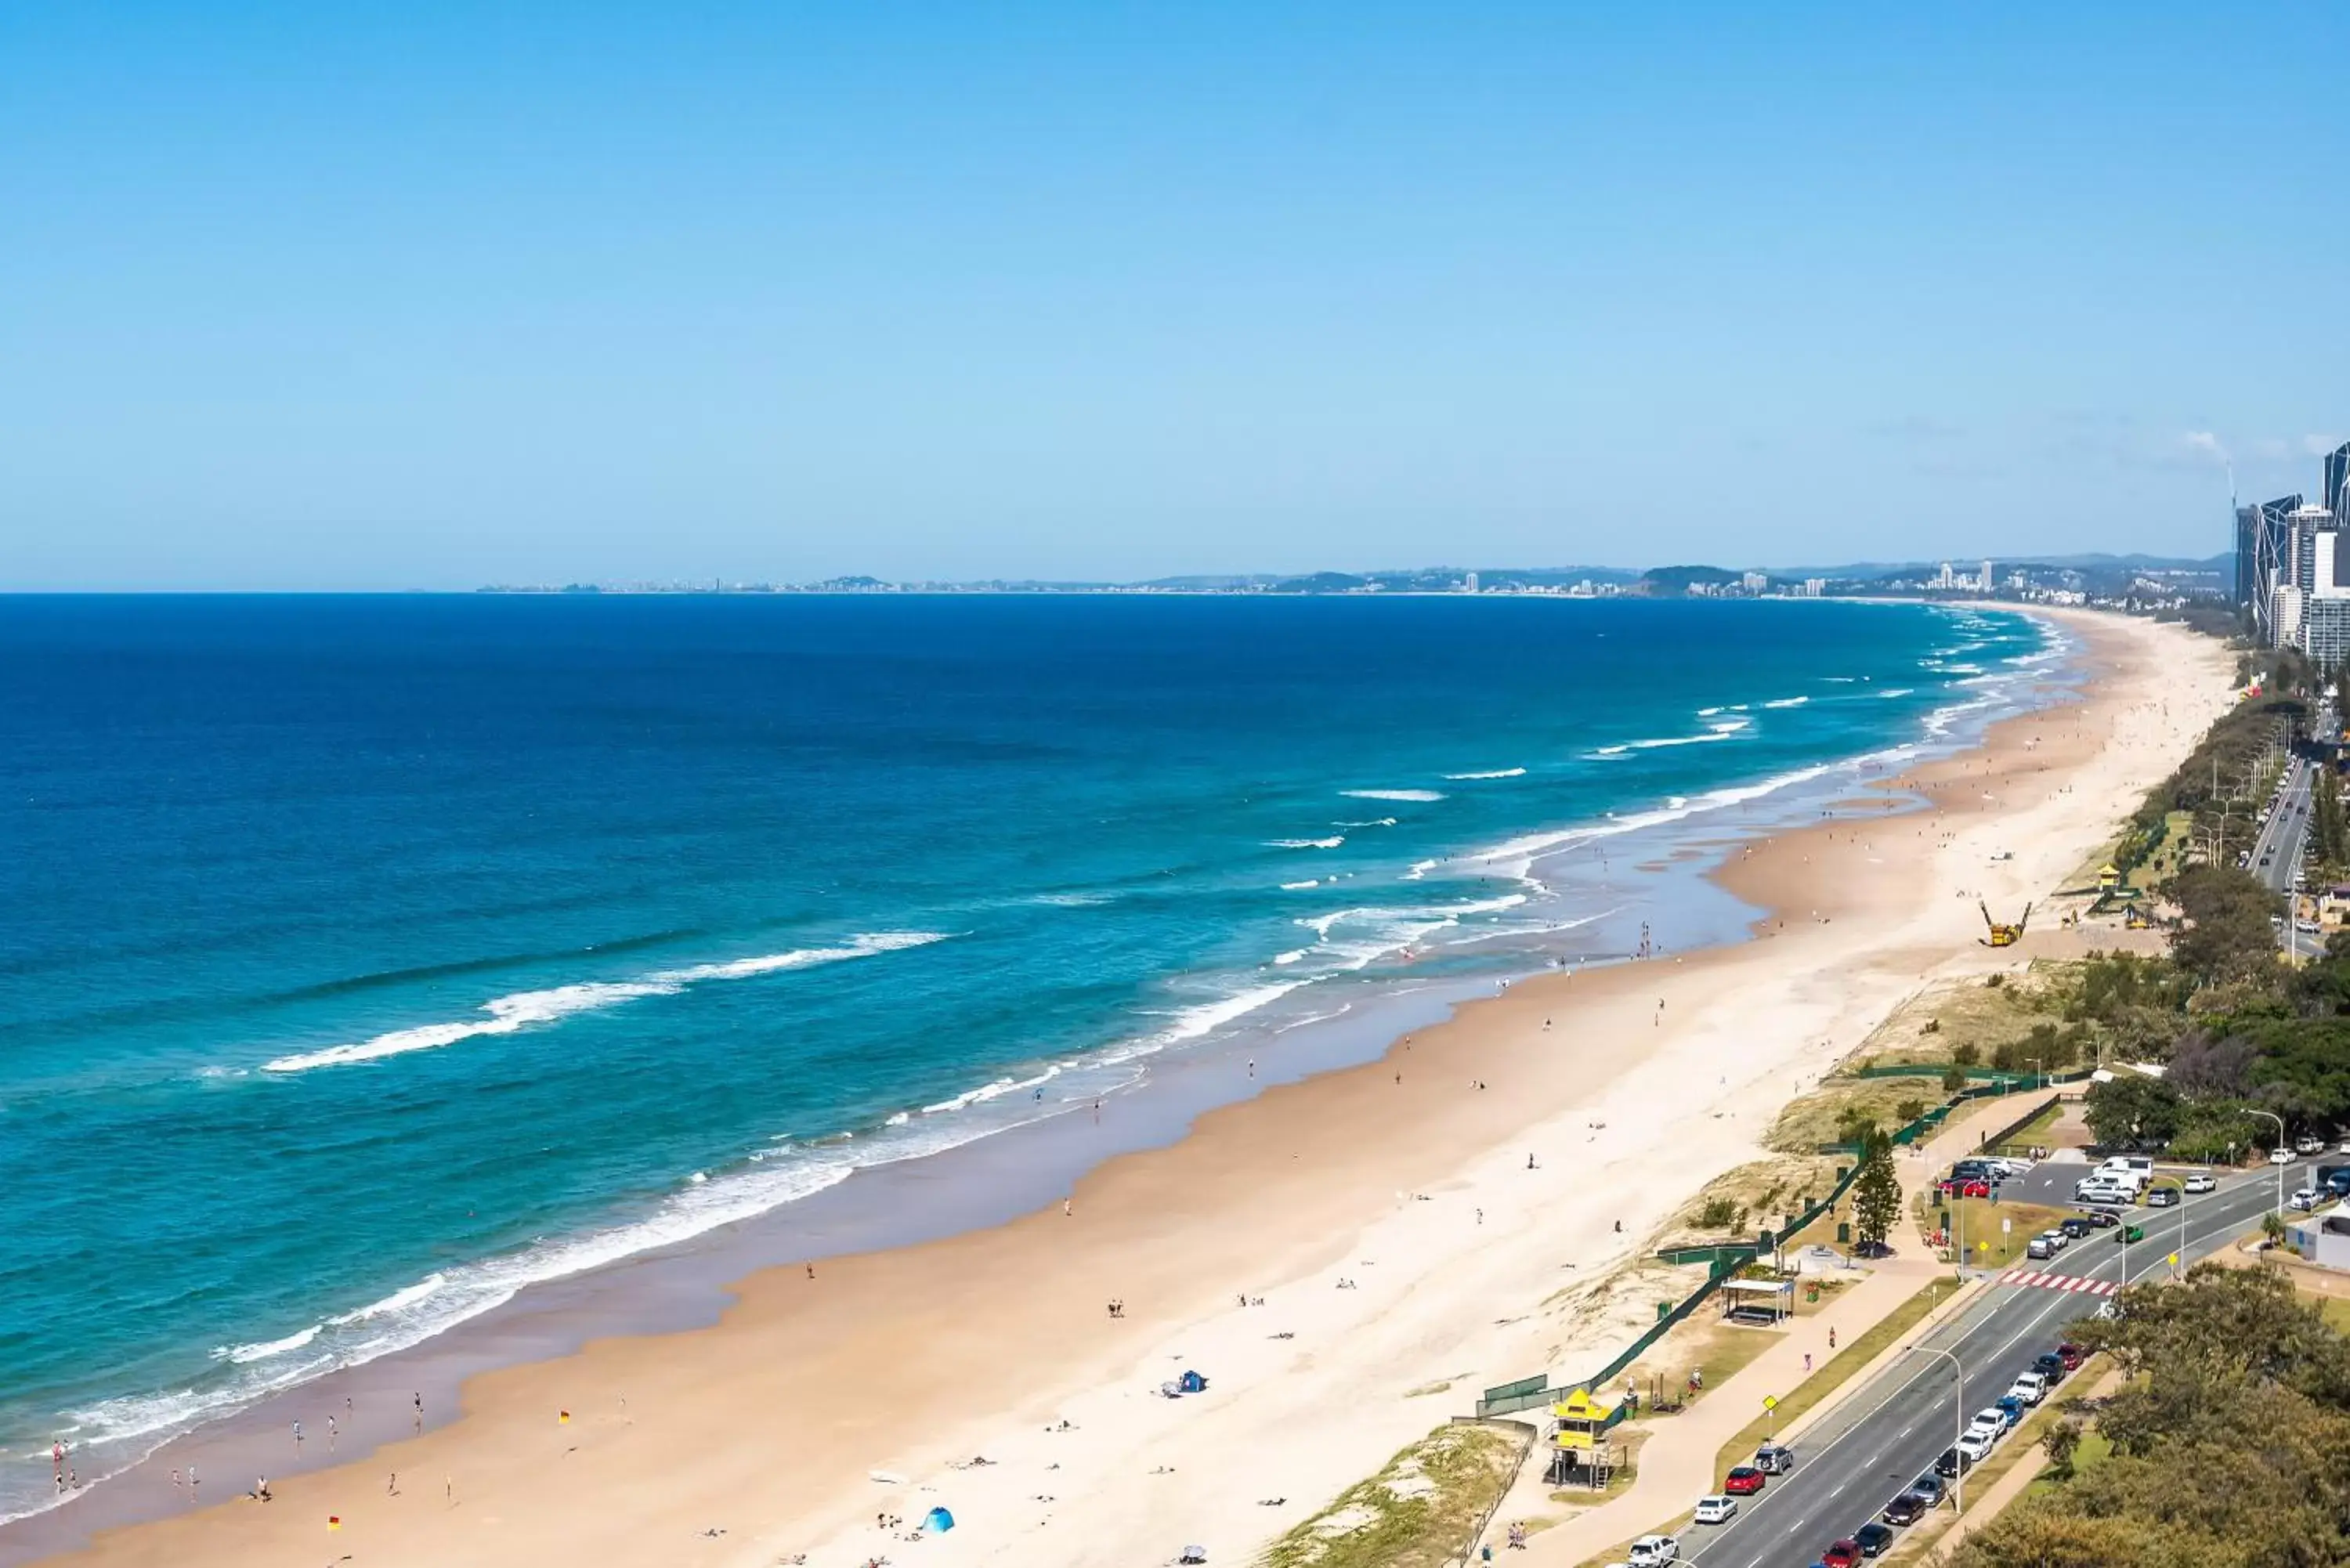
[1677, 1462]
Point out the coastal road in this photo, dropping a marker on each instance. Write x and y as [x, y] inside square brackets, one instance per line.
[2276, 852]
[1880, 1437]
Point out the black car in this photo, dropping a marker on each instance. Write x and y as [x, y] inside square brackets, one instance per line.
[1952, 1464]
[1929, 1487]
[1907, 1508]
[2103, 1219]
[2074, 1226]
[2049, 1365]
[1872, 1539]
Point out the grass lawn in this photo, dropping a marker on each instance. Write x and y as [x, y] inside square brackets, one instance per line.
[1416, 1512]
[1855, 1353]
[2034, 1132]
[1976, 1222]
[2336, 1311]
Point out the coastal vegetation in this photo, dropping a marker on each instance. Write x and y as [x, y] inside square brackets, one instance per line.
[2227, 1445]
[1419, 1510]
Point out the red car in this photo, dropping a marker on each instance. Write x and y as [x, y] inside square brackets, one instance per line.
[1744, 1482]
[1975, 1189]
[1843, 1555]
[2071, 1355]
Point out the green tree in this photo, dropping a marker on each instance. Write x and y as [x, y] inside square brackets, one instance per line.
[2225, 934]
[1876, 1193]
[2132, 1112]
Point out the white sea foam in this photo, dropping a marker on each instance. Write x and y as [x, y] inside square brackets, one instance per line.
[1420, 795]
[399, 1301]
[525, 1009]
[1707, 712]
[1494, 773]
[1300, 887]
[1375, 821]
[1330, 842]
[1292, 956]
[1611, 751]
[1787, 703]
[1897, 692]
[243, 1354]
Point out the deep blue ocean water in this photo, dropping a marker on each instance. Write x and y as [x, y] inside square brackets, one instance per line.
[362, 960]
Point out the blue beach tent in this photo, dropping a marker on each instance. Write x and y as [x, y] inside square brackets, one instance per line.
[938, 1518]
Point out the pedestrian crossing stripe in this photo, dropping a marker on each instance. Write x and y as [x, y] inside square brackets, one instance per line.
[2074, 1282]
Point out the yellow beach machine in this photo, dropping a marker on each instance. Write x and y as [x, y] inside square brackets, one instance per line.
[2004, 936]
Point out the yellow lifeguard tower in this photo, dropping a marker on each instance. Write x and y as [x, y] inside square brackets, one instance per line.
[1583, 1421]
[2109, 877]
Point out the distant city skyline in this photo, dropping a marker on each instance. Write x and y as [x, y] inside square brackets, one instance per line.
[301, 299]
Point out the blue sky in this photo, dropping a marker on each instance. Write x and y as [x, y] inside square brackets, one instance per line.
[424, 295]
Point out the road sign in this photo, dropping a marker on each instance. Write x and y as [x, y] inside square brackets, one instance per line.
[1770, 1401]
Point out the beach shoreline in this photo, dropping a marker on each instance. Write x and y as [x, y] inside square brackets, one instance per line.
[875, 1360]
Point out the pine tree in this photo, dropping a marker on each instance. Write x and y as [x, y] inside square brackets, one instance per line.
[1876, 1193]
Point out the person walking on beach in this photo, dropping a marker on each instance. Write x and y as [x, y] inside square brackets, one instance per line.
[298, 1436]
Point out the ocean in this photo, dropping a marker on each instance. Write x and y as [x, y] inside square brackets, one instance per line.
[364, 960]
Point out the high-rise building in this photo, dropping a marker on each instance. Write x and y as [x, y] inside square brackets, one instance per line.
[1983, 582]
[1469, 582]
[2336, 497]
[2268, 561]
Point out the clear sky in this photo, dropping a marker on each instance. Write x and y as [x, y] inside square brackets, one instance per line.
[418, 296]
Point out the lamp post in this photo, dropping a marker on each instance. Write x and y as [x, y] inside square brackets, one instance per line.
[2280, 1143]
[1958, 1427]
[2181, 1183]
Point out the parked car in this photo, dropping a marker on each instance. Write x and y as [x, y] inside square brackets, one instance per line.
[2032, 1388]
[1975, 1445]
[1716, 1510]
[1873, 1540]
[2202, 1181]
[2103, 1218]
[2074, 1227]
[2039, 1247]
[2162, 1198]
[1955, 1462]
[2279, 1157]
[1929, 1487]
[1974, 1187]
[2013, 1406]
[1774, 1458]
[2309, 1143]
[2071, 1355]
[1744, 1482]
[2050, 1366]
[1908, 1508]
[1650, 1549]
[1844, 1553]
[2304, 1199]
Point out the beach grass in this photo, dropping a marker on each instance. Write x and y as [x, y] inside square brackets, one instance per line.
[1417, 1511]
[1931, 1026]
[1856, 1352]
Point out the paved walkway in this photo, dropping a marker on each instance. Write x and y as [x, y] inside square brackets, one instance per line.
[1675, 1465]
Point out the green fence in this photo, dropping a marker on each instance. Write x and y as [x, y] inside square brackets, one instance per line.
[1725, 1258]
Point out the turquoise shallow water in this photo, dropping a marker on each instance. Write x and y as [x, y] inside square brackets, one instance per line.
[362, 960]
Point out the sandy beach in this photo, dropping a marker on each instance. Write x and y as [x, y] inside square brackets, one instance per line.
[1349, 1260]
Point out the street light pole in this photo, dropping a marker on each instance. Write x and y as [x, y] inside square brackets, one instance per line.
[2280, 1169]
[1958, 1427]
